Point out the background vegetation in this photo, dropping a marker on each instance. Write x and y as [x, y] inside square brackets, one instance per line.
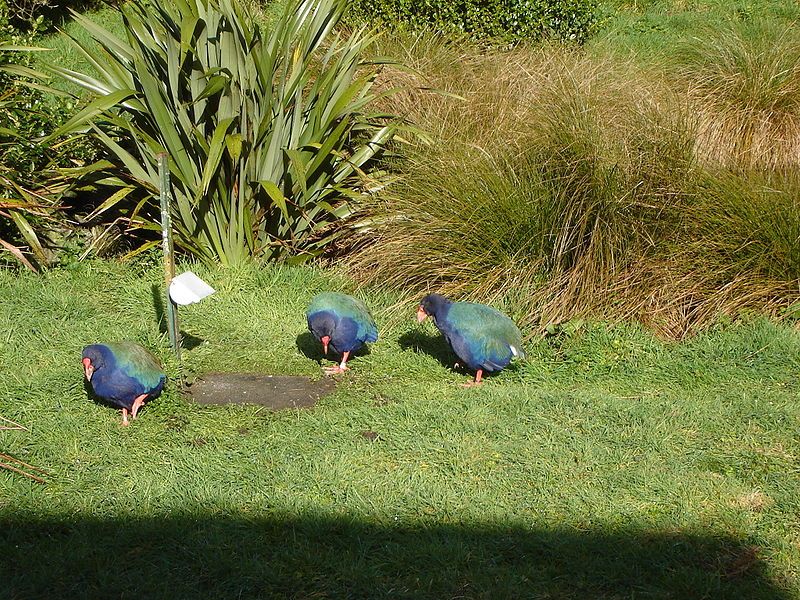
[563, 183]
[497, 20]
[649, 174]
[33, 184]
[264, 136]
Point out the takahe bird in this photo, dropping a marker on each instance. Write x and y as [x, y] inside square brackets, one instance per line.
[341, 322]
[484, 338]
[124, 374]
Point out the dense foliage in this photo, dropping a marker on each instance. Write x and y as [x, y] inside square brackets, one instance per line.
[564, 185]
[267, 135]
[33, 181]
[501, 20]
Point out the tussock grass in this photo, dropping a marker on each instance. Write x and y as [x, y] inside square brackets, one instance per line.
[744, 248]
[609, 464]
[745, 80]
[563, 184]
[496, 86]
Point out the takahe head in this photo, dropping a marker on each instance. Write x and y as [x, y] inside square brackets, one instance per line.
[430, 306]
[94, 357]
[322, 325]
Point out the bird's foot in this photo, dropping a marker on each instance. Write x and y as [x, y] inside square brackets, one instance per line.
[476, 382]
[471, 384]
[137, 404]
[124, 417]
[334, 370]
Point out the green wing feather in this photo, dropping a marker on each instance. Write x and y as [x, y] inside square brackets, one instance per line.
[137, 362]
[345, 306]
[488, 327]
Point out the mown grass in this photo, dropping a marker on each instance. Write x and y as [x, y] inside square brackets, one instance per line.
[650, 30]
[607, 465]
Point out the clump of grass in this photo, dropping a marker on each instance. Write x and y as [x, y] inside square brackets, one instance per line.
[552, 184]
[753, 219]
[744, 249]
[735, 249]
[745, 80]
[560, 184]
[451, 88]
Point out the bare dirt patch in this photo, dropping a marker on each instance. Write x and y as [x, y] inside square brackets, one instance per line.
[276, 392]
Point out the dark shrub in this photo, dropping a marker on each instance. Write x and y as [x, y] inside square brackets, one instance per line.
[501, 20]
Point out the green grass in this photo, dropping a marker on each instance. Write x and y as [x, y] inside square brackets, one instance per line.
[650, 29]
[608, 465]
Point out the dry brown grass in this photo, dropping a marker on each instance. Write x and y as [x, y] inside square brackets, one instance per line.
[560, 184]
[744, 81]
[754, 501]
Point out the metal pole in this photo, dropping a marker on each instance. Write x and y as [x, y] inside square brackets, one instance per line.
[169, 258]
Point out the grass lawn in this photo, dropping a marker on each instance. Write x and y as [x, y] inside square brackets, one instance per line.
[608, 465]
[652, 29]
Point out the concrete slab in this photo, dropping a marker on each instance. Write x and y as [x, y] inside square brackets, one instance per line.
[276, 392]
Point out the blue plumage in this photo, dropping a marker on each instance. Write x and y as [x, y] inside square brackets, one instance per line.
[482, 337]
[124, 374]
[341, 322]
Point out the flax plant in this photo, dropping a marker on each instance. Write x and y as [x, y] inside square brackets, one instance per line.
[266, 133]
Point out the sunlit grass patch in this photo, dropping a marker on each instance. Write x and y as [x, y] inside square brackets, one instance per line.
[607, 463]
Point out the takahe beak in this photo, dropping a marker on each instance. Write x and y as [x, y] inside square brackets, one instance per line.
[421, 315]
[326, 339]
[88, 368]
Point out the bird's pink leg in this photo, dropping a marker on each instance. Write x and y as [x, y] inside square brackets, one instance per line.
[477, 382]
[340, 368]
[124, 417]
[137, 404]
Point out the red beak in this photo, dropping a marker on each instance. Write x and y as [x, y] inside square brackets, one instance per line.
[325, 339]
[421, 315]
[88, 369]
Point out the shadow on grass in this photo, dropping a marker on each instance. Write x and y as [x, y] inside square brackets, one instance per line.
[202, 555]
[433, 344]
[309, 346]
[188, 341]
